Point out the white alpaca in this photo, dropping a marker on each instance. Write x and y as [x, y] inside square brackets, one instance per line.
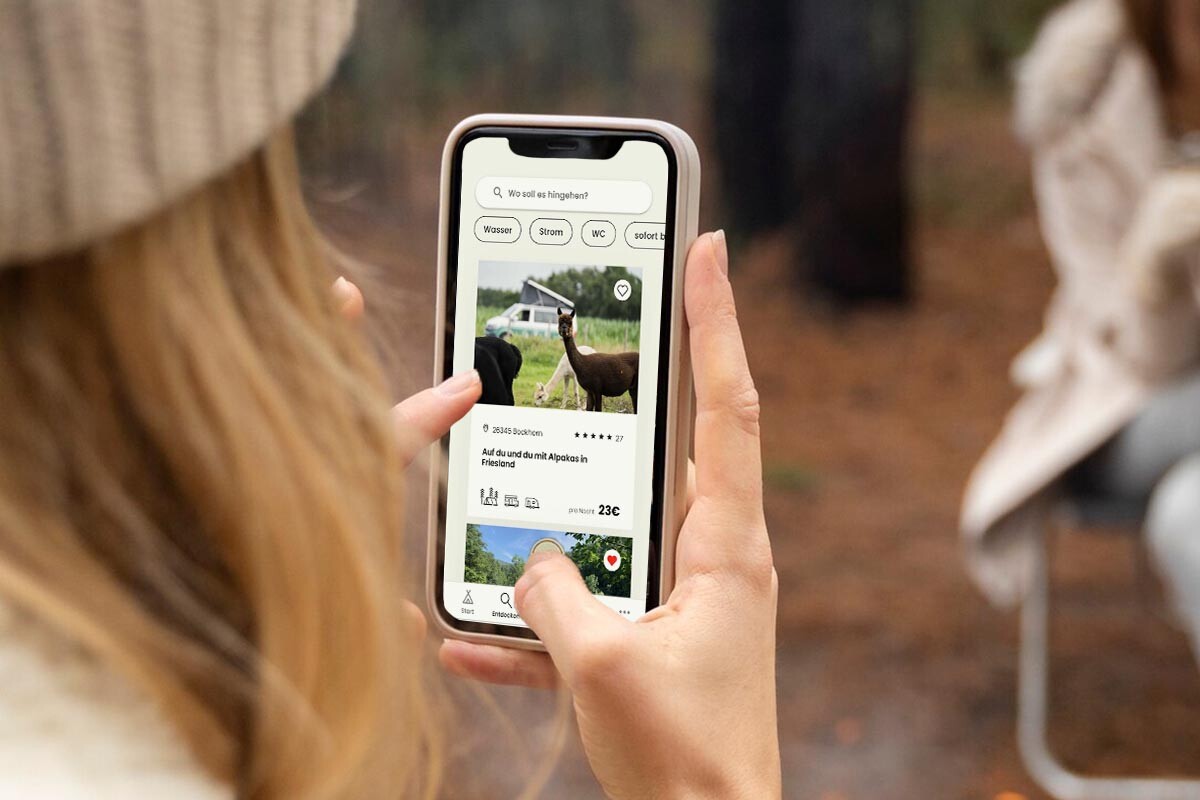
[565, 374]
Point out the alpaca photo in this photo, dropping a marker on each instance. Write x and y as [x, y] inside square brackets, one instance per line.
[559, 336]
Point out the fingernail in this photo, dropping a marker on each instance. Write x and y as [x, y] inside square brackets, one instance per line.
[721, 251]
[455, 644]
[341, 288]
[458, 384]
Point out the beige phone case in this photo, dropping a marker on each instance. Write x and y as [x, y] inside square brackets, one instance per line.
[679, 390]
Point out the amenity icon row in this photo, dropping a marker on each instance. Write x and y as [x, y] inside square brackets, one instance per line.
[492, 498]
[595, 233]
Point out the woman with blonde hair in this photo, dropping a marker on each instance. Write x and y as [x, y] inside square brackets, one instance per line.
[201, 582]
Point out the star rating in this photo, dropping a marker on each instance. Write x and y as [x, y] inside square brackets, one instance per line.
[601, 436]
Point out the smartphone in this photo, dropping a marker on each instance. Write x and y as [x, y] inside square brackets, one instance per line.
[562, 248]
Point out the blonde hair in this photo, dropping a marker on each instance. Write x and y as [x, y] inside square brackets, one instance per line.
[198, 484]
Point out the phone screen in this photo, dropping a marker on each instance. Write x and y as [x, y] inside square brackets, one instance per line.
[558, 293]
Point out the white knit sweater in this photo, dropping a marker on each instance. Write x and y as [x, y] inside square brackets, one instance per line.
[71, 729]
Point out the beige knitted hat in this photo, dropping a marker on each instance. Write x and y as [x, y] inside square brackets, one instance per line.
[112, 109]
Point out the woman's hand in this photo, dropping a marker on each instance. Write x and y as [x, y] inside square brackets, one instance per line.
[682, 701]
[420, 420]
[426, 416]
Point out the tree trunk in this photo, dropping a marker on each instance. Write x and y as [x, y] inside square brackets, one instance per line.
[751, 66]
[849, 132]
[818, 144]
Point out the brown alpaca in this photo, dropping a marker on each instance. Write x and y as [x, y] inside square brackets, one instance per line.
[600, 374]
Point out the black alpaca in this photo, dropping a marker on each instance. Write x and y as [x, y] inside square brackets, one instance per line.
[498, 363]
[600, 374]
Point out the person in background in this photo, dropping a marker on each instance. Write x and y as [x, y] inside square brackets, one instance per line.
[201, 575]
[1108, 99]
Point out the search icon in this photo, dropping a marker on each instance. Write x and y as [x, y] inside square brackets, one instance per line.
[504, 598]
[496, 191]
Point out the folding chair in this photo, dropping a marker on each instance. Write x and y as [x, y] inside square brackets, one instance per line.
[1034, 677]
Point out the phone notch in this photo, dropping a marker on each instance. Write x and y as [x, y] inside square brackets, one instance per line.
[539, 144]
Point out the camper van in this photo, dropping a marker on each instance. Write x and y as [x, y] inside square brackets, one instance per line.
[534, 314]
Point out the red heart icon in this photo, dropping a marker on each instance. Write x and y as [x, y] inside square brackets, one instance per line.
[612, 558]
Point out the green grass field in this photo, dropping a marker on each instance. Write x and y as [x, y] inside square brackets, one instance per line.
[540, 357]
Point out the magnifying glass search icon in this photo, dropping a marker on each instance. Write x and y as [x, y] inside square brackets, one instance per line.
[496, 191]
[504, 597]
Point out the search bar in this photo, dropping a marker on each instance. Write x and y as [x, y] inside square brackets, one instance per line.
[564, 194]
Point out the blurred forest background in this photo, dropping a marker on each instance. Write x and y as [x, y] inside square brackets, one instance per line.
[861, 154]
[803, 107]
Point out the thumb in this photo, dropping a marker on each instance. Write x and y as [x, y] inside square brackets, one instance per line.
[552, 598]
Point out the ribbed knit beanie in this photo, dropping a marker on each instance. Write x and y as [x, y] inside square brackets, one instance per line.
[112, 109]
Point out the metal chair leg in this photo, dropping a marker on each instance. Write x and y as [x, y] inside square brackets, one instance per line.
[1033, 702]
